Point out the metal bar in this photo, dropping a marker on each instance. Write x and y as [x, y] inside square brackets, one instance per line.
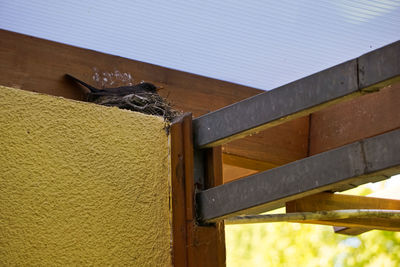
[371, 159]
[379, 67]
[375, 70]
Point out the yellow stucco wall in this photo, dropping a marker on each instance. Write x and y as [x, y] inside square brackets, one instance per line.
[81, 184]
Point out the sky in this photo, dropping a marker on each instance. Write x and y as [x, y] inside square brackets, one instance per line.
[263, 44]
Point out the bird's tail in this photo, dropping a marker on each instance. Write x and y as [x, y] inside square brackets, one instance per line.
[91, 88]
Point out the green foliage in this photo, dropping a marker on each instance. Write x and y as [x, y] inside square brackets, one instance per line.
[292, 244]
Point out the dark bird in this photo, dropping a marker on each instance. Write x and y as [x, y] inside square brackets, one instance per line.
[117, 91]
[142, 97]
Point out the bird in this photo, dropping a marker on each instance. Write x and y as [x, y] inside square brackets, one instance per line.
[95, 93]
[142, 97]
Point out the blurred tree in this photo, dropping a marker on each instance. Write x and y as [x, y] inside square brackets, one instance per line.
[292, 244]
[286, 244]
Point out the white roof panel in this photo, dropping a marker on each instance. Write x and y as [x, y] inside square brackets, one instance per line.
[263, 44]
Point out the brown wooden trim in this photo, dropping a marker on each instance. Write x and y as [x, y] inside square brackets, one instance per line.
[251, 164]
[208, 242]
[277, 146]
[178, 197]
[360, 118]
[231, 173]
[36, 64]
[39, 65]
[193, 245]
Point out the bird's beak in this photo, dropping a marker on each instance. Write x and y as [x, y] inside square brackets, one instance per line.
[158, 88]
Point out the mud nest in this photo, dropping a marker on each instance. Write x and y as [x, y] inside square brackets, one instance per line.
[144, 102]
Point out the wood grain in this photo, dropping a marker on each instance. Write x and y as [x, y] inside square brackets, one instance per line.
[178, 197]
[231, 173]
[328, 201]
[362, 117]
[39, 65]
[193, 245]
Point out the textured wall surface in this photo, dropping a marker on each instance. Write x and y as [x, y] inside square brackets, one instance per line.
[81, 184]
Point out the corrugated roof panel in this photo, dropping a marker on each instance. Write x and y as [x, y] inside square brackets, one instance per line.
[260, 44]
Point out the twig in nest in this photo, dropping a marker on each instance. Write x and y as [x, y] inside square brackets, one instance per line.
[144, 102]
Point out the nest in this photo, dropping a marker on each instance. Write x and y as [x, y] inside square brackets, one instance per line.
[144, 102]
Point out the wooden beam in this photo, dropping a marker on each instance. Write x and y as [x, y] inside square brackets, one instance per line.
[377, 223]
[377, 219]
[252, 164]
[39, 65]
[192, 245]
[362, 117]
[350, 230]
[275, 146]
[231, 173]
[388, 193]
[35, 64]
[330, 201]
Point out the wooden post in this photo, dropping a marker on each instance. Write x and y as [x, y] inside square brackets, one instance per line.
[193, 245]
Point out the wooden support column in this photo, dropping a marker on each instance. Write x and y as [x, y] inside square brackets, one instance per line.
[193, 245]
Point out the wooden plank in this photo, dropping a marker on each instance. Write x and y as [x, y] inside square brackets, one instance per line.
[378, 219]
[390, 192]
[39, 65]
[231, 173]
[377, 223]
[350, 230]
[361, 162]
[362, 117]
[252, 164]
[328, 201]
[35, 64]
[193, 245]
[275, 146]
[178, 197]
